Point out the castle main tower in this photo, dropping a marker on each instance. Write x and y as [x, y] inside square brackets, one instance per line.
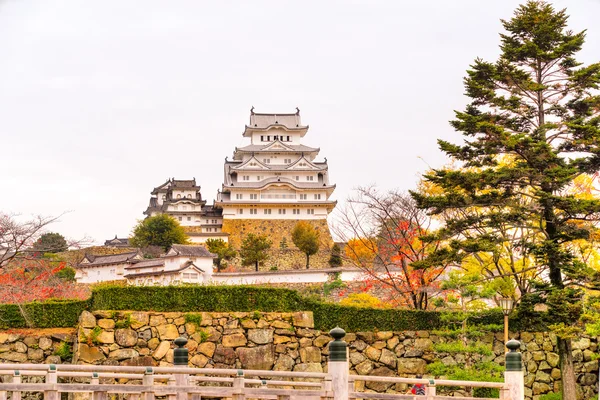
[275, 179]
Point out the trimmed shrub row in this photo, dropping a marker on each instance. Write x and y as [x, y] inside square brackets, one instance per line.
[50, 314]
[237, 298]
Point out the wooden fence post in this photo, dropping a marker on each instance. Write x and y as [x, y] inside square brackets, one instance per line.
[98, 395]
[513, 376]
[338, 364]
[52, 379]
[16, 379]
[148, 380]
[238, 386]
[431, 390]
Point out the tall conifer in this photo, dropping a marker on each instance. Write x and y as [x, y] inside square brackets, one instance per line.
[531, 128]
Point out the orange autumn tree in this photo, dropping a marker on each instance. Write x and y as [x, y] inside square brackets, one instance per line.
[383, 231]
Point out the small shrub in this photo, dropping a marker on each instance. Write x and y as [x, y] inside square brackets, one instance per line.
[274, 268]
[459, 347]
[203, 336]
[552, 396]
[92, 338]
[336, 283]
[195, 319]
[363, 300]
[124, 323]
[63, 351]
[256, 315]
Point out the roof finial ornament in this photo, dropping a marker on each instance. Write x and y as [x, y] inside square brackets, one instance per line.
[226, 157]
[297, 111]
[252, 110]
[325, 159]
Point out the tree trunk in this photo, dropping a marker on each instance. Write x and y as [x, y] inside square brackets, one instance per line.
[569, 387]
[256, 265]
[307, 260]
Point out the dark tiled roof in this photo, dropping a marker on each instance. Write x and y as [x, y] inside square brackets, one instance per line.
[117, 242]
[191, 184]
[155, 262]
[109, 259]
[293, 148]
[158, 273]
[189, 251]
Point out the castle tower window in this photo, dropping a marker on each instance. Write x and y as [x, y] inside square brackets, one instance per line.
[288, 138]
[303, 196]
[262, 138]
[246, 177]
[296, 211]
[258, 178]
[253, 211]
[178, 196]
[310, 178]
[240, 211]
[267, 160]
[189, 218]
[254, 196]
[287, 161]
[268, 138]
[297, 178]
[282, 211]
[267, 211]
[310, 211]
[238, 196]
[317, 197]
[275, 137]
[179, 218]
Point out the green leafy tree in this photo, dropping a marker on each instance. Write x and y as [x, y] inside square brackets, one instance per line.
[254, 249]
[159, 230]
[335, 260]
[223, 250]
[51, 242]
[306, 238]
[539, 108]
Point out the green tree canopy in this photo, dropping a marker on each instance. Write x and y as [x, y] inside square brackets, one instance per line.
[538, 108]
[335, 260]
[51, 242]
[159, 230]
[223, 250]
[254, 249]
[306, 238]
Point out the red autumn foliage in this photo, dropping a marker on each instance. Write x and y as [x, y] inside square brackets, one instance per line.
[27, 280]
[384, 231]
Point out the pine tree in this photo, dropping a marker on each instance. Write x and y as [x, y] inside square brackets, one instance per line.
[335, 260]
[254, 249]
[538, 108]
[223, 250]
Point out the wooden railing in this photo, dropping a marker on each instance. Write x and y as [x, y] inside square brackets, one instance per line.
[430, 388]
[175, 383]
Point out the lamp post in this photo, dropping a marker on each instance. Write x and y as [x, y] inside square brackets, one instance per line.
[507, 305]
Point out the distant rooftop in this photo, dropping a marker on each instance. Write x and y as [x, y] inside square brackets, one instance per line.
[263, 121]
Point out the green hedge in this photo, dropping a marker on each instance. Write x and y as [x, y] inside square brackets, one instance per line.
[196, 298]
[237, 298]
[50, 314]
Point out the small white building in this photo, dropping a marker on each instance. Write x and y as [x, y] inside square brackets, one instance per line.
[181, 264]
[104, 268]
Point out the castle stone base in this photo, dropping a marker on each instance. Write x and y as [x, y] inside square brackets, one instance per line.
[274, 229]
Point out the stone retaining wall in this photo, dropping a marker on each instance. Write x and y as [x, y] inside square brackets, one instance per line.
[280, 341]
[289, 342]
[36, 346]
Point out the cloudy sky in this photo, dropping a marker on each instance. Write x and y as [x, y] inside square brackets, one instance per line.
[100, 101]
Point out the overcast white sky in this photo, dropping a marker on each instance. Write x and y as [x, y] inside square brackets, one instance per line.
[100, 101]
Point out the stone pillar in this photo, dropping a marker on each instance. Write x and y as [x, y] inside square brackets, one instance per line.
[338, 364]
[513, 376]
[180, 354]
[180, 359]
